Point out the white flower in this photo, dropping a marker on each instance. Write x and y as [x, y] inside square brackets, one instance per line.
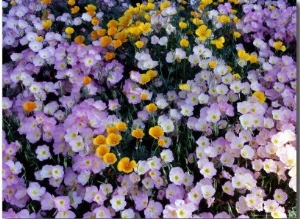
[207, 191]
[57, 172]
[42, 152]
[118, 202]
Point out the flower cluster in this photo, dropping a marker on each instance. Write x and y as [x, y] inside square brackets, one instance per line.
[170, 109]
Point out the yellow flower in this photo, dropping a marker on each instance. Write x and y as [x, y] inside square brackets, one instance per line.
[145, 27]
[86, 80]
[139, 44]
[102, 149]
[218, 42]
[109, 158]
[184, 43]
[152, 73]
[145, 78]
[206, 2]
[223, 19]
[13, 3]
[236, 76]
[113, 139]
[69, 30]
[71, 2]
[260, 96]
[164, 5]
[40, 38]
[197, 21]
[278, 45]
[109, 56]
[125, 165]
[243, 55]
[236, 34]
[105, 41]
[138, 133]
[151, 107]
[75, 9]
[121, 126]
[79, 39]
[203, 33]
[156, 132]
[184, 86]
[99, 139]
[212, 64]
[182, 25]
[253, 59]
[47, 24]
[29, 106]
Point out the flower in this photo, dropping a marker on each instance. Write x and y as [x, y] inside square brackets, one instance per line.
[125, 165]
[218, 42]
[35, 191]
[203, 32]
[138, 133]
[156, 132]
[109, 158]
[62, 203]
[176, 175]
[113, 139]
[151, 107]
[69, 30]
[29, 106]
[260, 96]
[118, 202]
[184, 43]
[42, 152]
[102, 149]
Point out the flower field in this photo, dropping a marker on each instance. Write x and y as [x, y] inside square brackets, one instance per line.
[149, 109]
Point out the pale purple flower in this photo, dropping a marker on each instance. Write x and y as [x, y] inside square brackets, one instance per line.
[62, 203]
[35, 191]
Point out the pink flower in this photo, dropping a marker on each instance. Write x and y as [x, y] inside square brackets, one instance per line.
[280, 196]
[62, 203]
[35, 191]
[153, 210]
[176, 175]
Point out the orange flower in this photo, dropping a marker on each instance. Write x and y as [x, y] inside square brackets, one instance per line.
[71, 2]
[100, 139]
[102, 149]
[139, 44]
[125, 165]
[121, 36]
[95, 21]
[113, 139]
[151, 107]
[109, 56]
[138, 133]
[86, 80]
[109, 158]
[101, 32]
[112, 31]
[105, 41]
[79, 39]
[40, 38]
[94, 35]
[116, 43]
[121, 126]
[75, 9]
[156, 132]
[46, 2]
[29, 106]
